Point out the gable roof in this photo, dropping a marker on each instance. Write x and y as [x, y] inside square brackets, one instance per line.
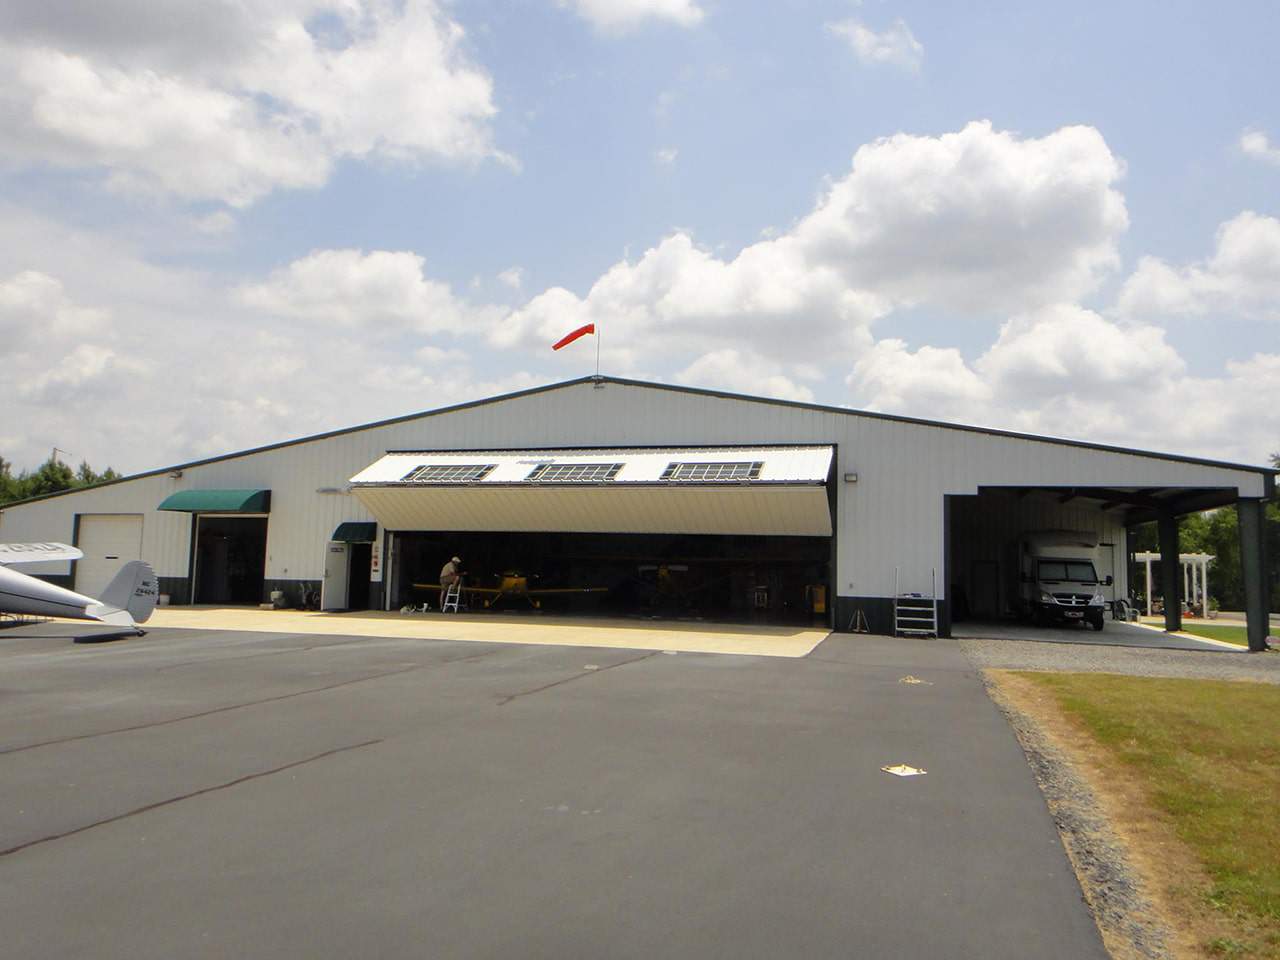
[1268, 472]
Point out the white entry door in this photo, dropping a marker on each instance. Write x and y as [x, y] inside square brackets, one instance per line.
[1107, 568]
[109, 541]
[337, 565]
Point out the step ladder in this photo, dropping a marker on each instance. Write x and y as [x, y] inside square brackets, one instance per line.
[914, 614]
[452, 594]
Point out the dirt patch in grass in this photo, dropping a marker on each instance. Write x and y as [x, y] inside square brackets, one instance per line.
[1171, 787]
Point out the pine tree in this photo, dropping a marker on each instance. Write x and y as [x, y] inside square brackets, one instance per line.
[8, 482]
[52, 476]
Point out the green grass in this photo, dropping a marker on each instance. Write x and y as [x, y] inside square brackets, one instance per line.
[1208, 753]
[1214, 631]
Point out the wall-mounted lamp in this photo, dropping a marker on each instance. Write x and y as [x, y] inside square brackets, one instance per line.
[331, 489]
[850, 478]
[175, 474]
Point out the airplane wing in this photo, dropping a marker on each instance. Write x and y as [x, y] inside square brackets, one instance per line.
[436, 587]
[16, 553]
[544, 591]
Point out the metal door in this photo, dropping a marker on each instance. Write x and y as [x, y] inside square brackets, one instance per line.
[337, 565]
[109, 541]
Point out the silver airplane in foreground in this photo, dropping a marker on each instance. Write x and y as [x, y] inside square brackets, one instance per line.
[126, 602]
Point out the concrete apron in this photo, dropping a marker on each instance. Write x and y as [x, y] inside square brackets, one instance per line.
[1114, 635]
[761, 641]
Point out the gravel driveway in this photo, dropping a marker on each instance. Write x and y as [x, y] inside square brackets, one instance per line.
[1143, 662]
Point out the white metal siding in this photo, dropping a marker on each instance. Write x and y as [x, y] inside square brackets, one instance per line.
[892, 517]
[109, 541]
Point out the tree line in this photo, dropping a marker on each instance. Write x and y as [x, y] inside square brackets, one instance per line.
[52, 476]
[1215, 532]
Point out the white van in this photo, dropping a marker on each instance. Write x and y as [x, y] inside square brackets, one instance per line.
[1058, 578]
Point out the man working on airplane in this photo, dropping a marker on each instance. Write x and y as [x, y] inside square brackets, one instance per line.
[450, 574]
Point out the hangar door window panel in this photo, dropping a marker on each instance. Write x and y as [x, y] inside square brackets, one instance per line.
[712, 472]
[448, 473]
[574, 472]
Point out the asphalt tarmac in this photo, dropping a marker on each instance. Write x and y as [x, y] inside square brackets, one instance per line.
[203, 794]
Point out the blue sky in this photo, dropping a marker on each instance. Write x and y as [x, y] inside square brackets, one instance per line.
[256, 220]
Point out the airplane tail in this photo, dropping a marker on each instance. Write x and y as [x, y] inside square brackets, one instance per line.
[129, 598]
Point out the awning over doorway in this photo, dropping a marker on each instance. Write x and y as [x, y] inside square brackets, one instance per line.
[720, 490]
[218, 501]
[353, 531]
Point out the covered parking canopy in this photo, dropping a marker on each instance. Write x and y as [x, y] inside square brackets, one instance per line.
[1132, 505]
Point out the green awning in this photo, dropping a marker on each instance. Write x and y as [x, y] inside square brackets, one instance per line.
[218, 501]
[354, 531]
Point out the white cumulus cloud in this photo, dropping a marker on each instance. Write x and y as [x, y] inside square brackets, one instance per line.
[1241, 277]
[35, 307]
[270, 96]
[620, 16]
[384, 292]
[896, 45]
[133, 365]
[979, 220]
[1255, 143]
[891, 377]
[744, 371]
[512, 278]
[1067, 371]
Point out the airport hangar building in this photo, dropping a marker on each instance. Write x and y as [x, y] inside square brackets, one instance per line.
[644, 499]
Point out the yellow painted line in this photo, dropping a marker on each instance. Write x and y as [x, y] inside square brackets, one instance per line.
[1183, 635]
[679, 637]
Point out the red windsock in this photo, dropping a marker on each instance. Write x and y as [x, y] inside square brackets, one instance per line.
[580, 332]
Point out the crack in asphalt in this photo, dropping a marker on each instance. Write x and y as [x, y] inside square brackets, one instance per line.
[250, 703]
[186, 796]
[208, 713]
[577, 676]
[306, 649]
[247, 656]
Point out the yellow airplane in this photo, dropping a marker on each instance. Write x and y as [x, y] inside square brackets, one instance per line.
[512, 584]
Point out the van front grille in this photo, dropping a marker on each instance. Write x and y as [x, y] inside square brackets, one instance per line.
[1073, 599]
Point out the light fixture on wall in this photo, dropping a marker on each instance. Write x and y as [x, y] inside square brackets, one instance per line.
[175, 474]
[850, 478]
[331, 489]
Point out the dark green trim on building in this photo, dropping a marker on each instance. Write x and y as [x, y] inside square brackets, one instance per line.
[354, 531]
[218, 501]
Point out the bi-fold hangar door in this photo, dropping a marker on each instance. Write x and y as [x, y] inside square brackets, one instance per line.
[717, 531]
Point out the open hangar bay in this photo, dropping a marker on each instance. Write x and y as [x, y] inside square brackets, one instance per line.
[603, 495]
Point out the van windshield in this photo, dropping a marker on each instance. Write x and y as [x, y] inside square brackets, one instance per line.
[1077, 570]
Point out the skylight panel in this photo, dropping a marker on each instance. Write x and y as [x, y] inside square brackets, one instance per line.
[574, 472]
[712, 472]
[448, 473]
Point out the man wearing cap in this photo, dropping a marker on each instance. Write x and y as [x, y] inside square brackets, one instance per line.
[451, 573]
